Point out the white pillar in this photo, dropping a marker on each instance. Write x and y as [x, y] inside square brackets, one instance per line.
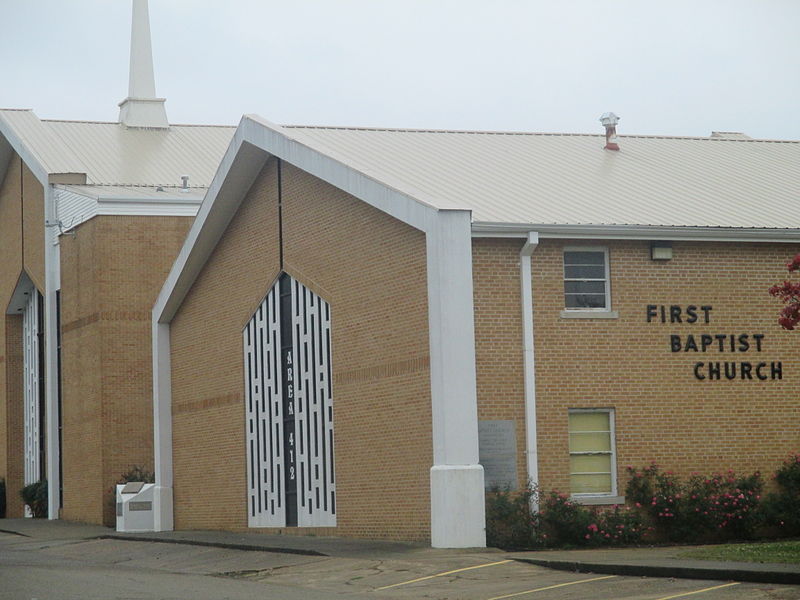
[52, 272]
[457, 490]
[162, 427]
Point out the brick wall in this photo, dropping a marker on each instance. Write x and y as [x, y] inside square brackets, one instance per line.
[663, 413]
[11, 251]
[371, 269]
[111, 273]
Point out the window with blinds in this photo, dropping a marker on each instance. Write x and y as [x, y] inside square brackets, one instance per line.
[586, 279]
[591, 452]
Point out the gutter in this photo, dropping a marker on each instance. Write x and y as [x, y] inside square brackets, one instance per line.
[529, 364]
[637, 232]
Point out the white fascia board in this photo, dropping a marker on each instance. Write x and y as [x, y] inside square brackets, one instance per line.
[148, 208]
[637, 232]
[279, 142]
[253, 142]
[28, 155]
[6, 152]
[237, 171]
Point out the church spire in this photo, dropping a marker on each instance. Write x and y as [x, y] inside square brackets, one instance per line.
[141, 108]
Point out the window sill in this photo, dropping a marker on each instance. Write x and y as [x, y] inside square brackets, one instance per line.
[598, 500]
[589, 314]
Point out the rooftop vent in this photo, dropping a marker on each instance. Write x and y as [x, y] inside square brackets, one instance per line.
[609, 121]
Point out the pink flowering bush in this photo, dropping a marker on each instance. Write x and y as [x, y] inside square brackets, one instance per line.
[561, 521]
[723, 506]
[568, 523]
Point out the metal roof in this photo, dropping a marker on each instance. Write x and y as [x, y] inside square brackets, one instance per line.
[112, 154]
[569, 179]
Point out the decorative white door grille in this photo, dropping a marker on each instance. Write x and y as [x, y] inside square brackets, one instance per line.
[31, 397]
[289, 410]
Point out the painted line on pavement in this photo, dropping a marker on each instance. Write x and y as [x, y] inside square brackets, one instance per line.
[491, 564]
[552, 587]
[716, 587]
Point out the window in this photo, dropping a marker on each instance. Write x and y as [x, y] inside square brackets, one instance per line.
[592, 457]
[586, 279]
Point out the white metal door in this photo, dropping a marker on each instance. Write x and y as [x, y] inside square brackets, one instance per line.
[289, 410]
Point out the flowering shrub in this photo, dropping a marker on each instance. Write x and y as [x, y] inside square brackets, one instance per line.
[561, 521]
[781, 508]
[717, 507]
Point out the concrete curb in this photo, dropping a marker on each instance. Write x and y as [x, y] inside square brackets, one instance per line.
[185, 542]
[678, 572]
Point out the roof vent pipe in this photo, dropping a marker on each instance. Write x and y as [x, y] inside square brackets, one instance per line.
[184, 183]
[609, 121]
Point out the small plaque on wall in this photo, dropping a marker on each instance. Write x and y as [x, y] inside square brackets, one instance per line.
[497, 441]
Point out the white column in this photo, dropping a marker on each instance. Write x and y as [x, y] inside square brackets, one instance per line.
[162, 428]
[52, 258]
[457, 491]
[531, 448]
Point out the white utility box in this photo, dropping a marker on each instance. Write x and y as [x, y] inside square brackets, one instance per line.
[135, 507]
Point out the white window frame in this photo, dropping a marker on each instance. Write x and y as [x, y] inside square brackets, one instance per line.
[585, 312]
[611, 497]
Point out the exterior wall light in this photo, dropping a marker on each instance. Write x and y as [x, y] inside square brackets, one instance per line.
[661, 251]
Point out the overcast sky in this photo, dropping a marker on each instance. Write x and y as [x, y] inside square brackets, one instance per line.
[669, 67]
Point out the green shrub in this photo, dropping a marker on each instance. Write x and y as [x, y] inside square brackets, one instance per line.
[35, 496]
[781, 508]
[137, 473]
[510, 523]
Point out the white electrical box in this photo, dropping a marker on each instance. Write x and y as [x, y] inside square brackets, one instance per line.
[135, 507]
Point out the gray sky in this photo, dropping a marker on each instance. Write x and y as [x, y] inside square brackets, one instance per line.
[671, 67]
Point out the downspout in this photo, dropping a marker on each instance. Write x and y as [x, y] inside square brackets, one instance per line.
[531, 452]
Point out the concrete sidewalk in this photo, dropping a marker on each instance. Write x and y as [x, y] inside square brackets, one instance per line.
[646, 562]
[662, 561]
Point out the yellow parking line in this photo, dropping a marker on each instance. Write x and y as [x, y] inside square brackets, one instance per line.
[551, 587]
[716, 587]
[500, 562]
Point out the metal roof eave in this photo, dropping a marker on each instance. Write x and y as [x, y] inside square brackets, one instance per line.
[636, 232]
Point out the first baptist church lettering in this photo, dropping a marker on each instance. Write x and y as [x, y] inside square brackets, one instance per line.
[716, 342]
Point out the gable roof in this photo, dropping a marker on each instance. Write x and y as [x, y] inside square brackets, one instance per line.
[569, 179]
[565, 184]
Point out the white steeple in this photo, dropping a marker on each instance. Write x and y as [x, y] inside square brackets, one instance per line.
[141, 108]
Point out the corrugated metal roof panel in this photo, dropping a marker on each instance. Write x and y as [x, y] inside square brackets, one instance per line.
[111, 154]
[571, 179]
[116, 155]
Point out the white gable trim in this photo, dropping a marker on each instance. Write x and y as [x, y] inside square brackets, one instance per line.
[255, 140]
[29, 157]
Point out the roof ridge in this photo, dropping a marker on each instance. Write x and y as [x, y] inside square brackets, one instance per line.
[532, 133]
[117, 123]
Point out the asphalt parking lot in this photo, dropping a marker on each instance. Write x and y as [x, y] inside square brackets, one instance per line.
[61, 560]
